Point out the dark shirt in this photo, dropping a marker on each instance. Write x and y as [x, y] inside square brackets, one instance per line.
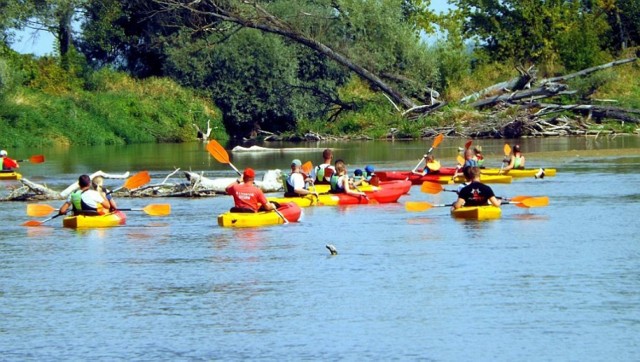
[476, 194]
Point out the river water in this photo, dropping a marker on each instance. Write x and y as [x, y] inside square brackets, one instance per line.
[554, 283]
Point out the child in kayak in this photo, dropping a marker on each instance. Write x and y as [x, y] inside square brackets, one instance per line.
[431, 166]
[475, 193]
[297, 182]
[516, 160]
[340, 181]
[477, 155]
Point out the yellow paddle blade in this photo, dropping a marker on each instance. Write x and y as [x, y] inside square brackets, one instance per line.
[157, 209]
[519, 198]
[36, 159]
[506, 149]
[417, 205]
[433, 166]
[307, 167]
[218, 152]
[460, 160]
[39, 210]
[137, 180]
[431, 187]
[540, 201]
[437, 140]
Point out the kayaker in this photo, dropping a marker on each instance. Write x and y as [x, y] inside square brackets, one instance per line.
[97, 184]
[469, 161]
[370, 176]
[85, 200]
[340, 181]
[516, 160]
[477, 155]
[475, 193]
[321, 174]
[297, 182]
[8, 164]
[246, 196]
[431, 166]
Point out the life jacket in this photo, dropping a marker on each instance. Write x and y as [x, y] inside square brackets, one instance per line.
[289, 190]
[79, 206]
[516, 162]
[480, 161]
[334, 185]
[323, 174]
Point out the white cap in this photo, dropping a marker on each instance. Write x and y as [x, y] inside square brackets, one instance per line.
[3, 153]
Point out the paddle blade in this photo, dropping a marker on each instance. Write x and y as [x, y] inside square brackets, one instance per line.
[437, 140]
[506, 149]
[468, 144]
[218, 152]
[434, 166]
[36, 159]
[519, 198]
[32, 223]
[137, 180]
[307, 167]
[541, 201]
[417, 205]
[431, 187]
[157, 209]
[39, 210]
[460, 160]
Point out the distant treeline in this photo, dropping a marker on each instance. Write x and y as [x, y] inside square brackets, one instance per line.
[145, 71]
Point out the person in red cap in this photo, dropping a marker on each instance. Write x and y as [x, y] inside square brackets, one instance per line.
[8, 164]
[246, 196]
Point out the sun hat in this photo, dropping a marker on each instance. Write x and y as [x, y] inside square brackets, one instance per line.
[3, 153]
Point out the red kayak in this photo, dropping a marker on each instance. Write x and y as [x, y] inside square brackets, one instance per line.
[404, 185]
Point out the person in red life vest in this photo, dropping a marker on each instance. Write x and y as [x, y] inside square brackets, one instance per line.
[8, 164]
[85, 200]
[322, 173]
[475, 193]
[246, 196]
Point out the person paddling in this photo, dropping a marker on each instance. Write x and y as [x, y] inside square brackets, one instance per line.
[297, 182]
[431, 166]
[97, 184]
[475, 193]
[321, 174]
[469, 161]
[516, 161]
[8, 164]
[477, 155]
[246, 196]
[340, 181]
[85, 200]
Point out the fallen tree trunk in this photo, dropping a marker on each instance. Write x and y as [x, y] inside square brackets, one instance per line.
[594, 111]
[547, 90]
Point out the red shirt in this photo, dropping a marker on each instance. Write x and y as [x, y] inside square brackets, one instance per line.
[247, 196]
[8, 164]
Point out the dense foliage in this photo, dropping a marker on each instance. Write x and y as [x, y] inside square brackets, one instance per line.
[282, 65]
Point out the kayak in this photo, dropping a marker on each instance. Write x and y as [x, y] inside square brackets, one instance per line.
[403, 185]
[443, 180]
[529, 172]
[290, 210]
[10, 175]
[487, 212]
[94, 221]
[379, 196]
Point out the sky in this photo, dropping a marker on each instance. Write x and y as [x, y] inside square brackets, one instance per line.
[42, 43]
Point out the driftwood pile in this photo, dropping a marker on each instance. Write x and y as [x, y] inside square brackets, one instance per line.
[196, 185]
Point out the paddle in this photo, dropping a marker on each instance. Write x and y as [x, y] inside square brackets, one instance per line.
[525, 202]
[433, 188]
[135, 181]
[507, 151]
[221, 155]
[38, 223]
[39, 210]
[467, 144]
[436, 142]
[34, 159]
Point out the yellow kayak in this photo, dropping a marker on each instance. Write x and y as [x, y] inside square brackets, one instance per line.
[529, 172]
[289, 210]
[487, 212]
[10, 175]
[94, 221]
[487, 179]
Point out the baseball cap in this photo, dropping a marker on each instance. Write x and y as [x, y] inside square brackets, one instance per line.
[248, 173]
[368, 168]
[3, 153]
[296, 162]
[358, 172]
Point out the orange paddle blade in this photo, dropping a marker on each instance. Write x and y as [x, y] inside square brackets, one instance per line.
[137, 180]
[32, 223]
[36, 159]
[437, 140]
[468, 144]
[218, 152]
[417, 205]
[307, 167]
[506, 149]
[39, 210]
[431, 187]
[519, 198]
[540, 201]
[157, 209]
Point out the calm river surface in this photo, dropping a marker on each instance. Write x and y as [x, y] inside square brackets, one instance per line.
[554, 283]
